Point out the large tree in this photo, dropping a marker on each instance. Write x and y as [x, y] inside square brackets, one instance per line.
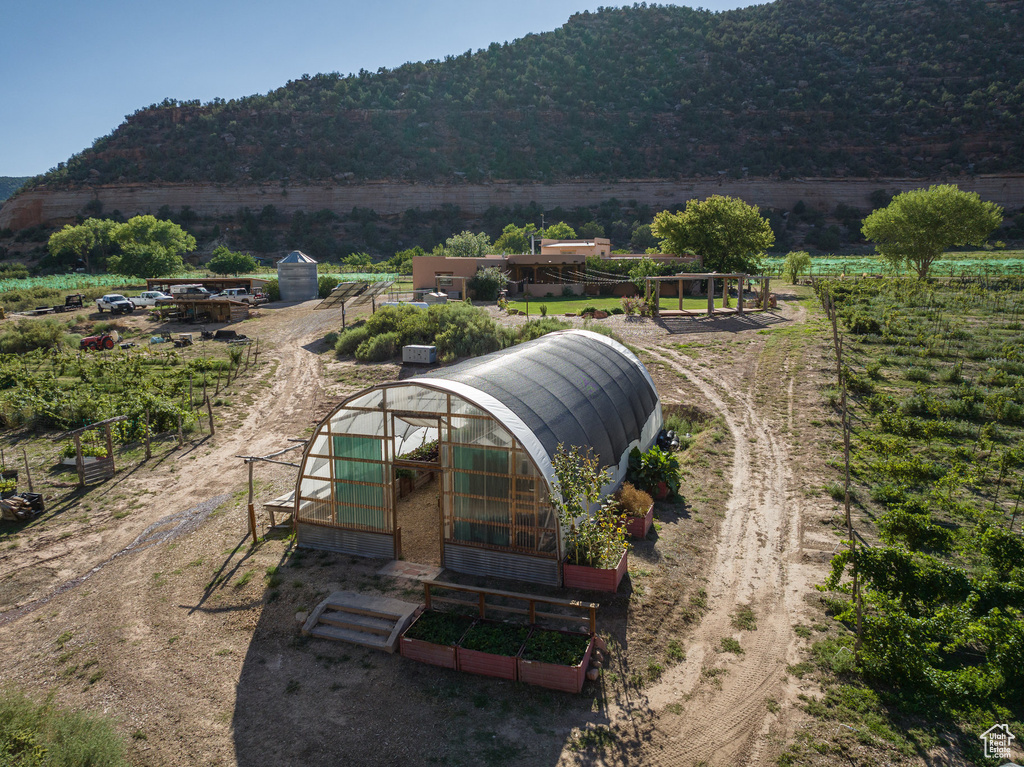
[728, 234]
[150, 247]
[226, 261]
[467, 245]
[515, 239]
[918, 226]
[91, 241]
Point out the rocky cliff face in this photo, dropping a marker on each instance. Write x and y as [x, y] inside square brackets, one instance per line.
[55, 207]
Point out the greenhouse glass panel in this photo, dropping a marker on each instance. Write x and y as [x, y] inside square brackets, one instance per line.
[480, 431]
[417, 399]
[373, 399]
[356, 422]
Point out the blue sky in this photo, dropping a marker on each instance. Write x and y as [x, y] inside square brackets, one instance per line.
[70, 71]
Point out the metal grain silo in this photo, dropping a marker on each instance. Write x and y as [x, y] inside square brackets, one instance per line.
[297, 278]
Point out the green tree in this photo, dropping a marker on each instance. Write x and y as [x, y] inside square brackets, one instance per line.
[728, 234]
[797, 262]
[918, 226]
[467, 245]
[486, 283]
[515, 239]
[150, 247]
[225, 261]
[401, 262]
[357, 260]
[91, 241]
[559, 231]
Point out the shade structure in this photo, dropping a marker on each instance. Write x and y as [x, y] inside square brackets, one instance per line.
[297, 277]
[488, 429]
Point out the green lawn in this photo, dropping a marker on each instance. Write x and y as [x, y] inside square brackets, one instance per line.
[576, 304]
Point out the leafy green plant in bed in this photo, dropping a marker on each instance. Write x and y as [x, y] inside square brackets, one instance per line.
[439, 627]
[556, 647]
[495, 638]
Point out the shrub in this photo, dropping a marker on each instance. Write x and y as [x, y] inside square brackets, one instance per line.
[487, 283]
[588, 310]
[543, 310]
[379, 348]
[325, 284]
[32, 334]
[634, 502]
[272, 290]
[567, 292]
[32, 733]
[919, 374]
[648, 470]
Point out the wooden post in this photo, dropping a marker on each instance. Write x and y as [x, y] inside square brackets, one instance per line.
[28, 474]
[248, 352]
[739, 296]
[209, 409]
[110, 446]
[252, 511]
[79, 463]
[711, 296]
[680, 295]
[764, 292]
[426, 595]
[149, 452]
[181, 433]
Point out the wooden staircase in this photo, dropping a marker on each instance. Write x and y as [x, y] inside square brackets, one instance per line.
[361, 619]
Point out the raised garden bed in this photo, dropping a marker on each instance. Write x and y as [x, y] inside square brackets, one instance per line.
[638, 527]
[556, 660]
[432, 638]
[490, 648]
[594, 578]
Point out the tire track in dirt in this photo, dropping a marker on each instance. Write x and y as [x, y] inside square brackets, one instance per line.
[724, 717]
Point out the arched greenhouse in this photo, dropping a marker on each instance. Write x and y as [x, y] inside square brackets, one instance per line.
[480, 435]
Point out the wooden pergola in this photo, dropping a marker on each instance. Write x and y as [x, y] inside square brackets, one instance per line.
[741, 279]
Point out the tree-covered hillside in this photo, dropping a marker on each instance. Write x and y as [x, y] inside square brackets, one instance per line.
[795, 87]
[9, 185]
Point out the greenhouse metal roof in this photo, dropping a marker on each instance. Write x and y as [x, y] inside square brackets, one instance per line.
[572, 387]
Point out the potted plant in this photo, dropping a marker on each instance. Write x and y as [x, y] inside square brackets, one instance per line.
[638, 507]
[91, 451]
[8, 487]
[655, 472]
[595, 542]
[433, 636]
[557, 660]
[491, 649]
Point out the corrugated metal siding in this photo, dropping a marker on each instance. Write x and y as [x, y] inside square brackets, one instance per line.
[499, 564]
[355, 542]
[298, 282]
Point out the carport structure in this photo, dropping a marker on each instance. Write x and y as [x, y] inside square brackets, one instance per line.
[487, 428]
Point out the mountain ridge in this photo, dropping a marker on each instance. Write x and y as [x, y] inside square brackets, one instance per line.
[840, 88]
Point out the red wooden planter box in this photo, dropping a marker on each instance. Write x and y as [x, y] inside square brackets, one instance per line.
[554, 676]
[428, 652]
[594, 578]
[443, 655]
[487, 664]
[638, 527]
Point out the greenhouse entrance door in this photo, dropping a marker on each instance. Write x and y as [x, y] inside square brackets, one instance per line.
[418, 516]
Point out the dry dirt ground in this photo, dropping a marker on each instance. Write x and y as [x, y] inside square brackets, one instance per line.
[142, 597]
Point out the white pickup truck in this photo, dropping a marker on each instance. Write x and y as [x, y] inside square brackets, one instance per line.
[240, 294]
[115, 303]
[149, 298]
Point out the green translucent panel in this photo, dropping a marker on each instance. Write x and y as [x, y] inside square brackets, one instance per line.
[351, 499]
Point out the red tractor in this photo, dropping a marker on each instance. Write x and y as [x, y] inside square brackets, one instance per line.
[102, 341]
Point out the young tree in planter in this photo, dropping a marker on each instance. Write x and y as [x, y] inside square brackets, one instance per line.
[597, 539]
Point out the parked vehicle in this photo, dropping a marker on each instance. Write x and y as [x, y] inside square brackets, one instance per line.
[71, 302]
[115, 303]
[149, 298]
[240, 294]
[102, 341]
[190, 291]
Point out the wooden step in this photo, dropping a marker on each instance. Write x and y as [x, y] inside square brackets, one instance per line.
[358, 622]
[362, 619]
[375, 641]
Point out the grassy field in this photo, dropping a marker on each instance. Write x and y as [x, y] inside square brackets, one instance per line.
[968, 263]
